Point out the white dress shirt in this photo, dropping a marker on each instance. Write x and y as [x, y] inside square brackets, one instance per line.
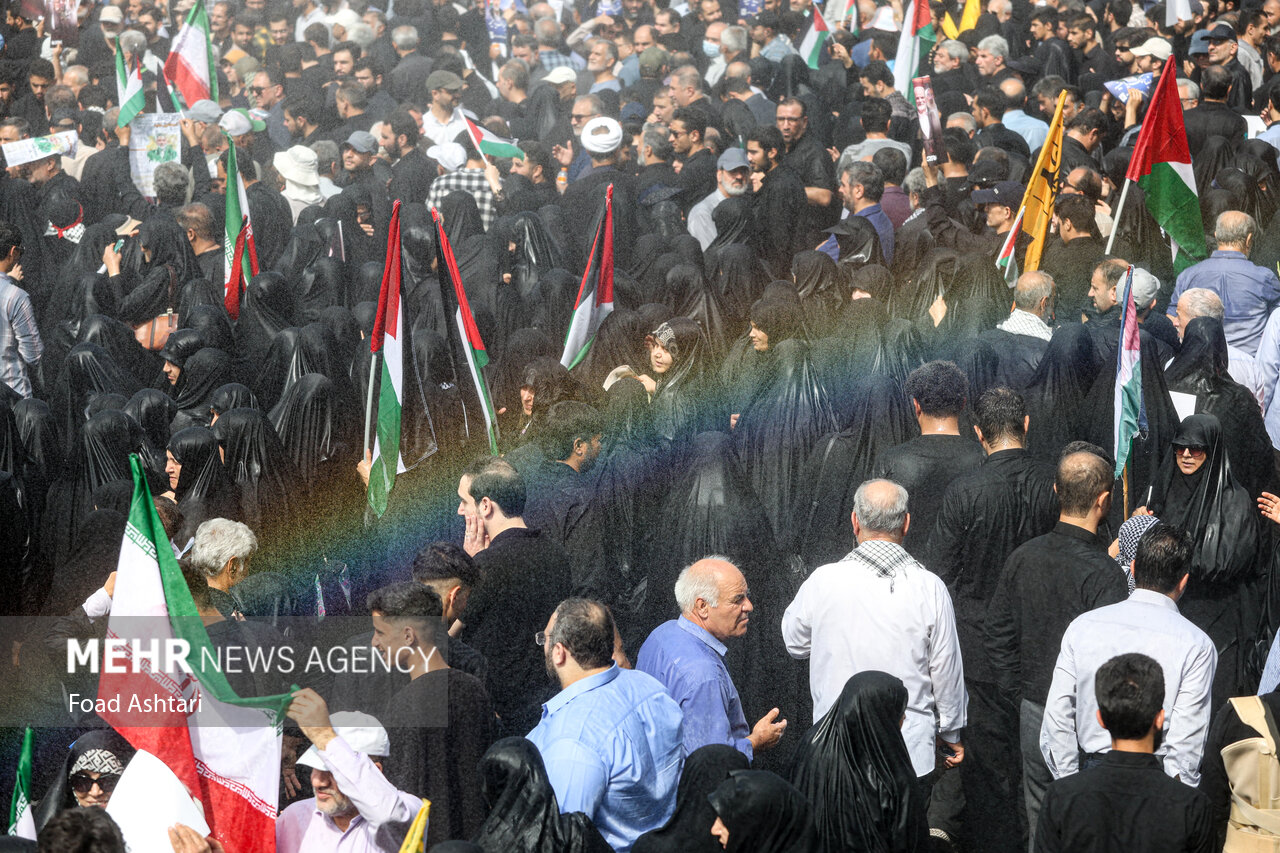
[701, 224]
[1148, 623]
[851, 617]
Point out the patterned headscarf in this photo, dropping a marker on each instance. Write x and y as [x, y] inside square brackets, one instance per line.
[98, 761]
[1130, 533]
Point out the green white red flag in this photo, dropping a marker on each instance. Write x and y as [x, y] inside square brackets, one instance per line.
[1161, 166]
[1007, 260]
[465, 344]
[1130, 414]
[239, 255]
[814, 39]
[128, 89]
[388, 338]
[190, 64]
[917, 30]
[595, 295]
[21, 820]
[491, 144]
[224, 748]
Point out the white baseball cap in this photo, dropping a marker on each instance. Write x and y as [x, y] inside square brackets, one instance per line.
[362, 732]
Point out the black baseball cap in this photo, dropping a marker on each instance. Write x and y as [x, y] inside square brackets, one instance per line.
[1007, 193]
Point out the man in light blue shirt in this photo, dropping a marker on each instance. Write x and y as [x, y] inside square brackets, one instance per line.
[686, 656]
[611, 738]
[1031, 129]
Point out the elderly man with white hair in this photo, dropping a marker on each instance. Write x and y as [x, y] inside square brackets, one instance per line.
[686, 655]
[1243, 368]
[222, 549]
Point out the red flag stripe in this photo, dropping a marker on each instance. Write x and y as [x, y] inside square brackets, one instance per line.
[1163, 137]
[468, 321]
[389, 294]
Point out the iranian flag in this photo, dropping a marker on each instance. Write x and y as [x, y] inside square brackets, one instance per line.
[917, 29]
[465, 344]
[190, 63]
[492, 144]
[1007, 260]
[21, 821]
[128, 90]
[811, 47]
[595, 296]
[239, 255]
[1161, 166]
[388, 329]
[225, 749]
[1130, 417]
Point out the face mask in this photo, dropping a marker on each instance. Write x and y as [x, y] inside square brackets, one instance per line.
[710, 48]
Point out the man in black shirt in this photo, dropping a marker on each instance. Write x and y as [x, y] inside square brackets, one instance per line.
[523, 576]
[411, 173]
[1072, 261]
[1222, 52]
[696, 174]
[779, 202]
[927, 464]
[812, 164]
[1046, 583]
[1126, 802]
[1213, 116]
[989, 107]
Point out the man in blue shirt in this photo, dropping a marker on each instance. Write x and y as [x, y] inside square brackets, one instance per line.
[861, 186]
[1249, 292]
[611, 737]
[686, 656]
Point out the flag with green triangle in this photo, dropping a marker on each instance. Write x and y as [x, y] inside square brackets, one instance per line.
[128, 89]
[21, 820]
[914, 43]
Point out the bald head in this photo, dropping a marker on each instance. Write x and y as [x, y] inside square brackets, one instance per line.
[713, 594]
[1014, 91]
[1083, 483]
[1235, 230]
[1034, 293]
[880, 511]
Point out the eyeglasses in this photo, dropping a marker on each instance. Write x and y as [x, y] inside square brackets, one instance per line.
[83, 784]
[581, 116]
[257, 90]
[1193, 452]
[540, 638]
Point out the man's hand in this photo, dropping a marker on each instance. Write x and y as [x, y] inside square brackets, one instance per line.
[767, 732]
[757, 181]
[562, 154]
[364, 466]
[189, 131]
[930, 173]
[16, 272]
[952, 753]
[289, 765]
[476, 539]
[309, 711]
[493, 176]
[1269, 506]
[110, 585]
[186, 840]
[841, 55]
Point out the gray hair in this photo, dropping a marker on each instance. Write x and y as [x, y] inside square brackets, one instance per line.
[877, 517]
[864, 174]
[133, 42]
[219, 540]
[361, 33]
[171, 182]
[970, 123]
[547, 32]
[659, 140]
[1202, 302]
[1032, 287]
[734, 39]
[515, 72]
[405, 38]
[914, 183]
[327, 154]
[955, 49]
[691, 585]
[1233, 228]
[995, 45]
[1192, 89]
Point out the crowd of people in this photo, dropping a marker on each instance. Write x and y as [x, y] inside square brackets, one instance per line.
[823, 546]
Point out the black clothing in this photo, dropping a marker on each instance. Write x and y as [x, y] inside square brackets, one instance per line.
[1212, 118]
[411, 177]
[696, 178]
[779, 209]
[1125, 803]
[1074, 155]
[812, 164]
[686, 831]
[1046, 583]
[925, 466]
[524, 576]
[999, 136]
[1019, 357]
[1056, 57]
[764, 814]
[1072, 265]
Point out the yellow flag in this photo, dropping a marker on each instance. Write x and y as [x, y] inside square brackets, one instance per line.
[415, 841]
[968, 19]
[1042, 190]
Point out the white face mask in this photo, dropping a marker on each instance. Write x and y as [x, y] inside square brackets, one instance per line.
[710, 48]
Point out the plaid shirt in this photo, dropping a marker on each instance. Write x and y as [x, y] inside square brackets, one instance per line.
[19, 337]
[550, 59]
[473, 183]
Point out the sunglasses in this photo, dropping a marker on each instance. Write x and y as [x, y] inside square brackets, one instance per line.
[82, 784]
[1193, 452]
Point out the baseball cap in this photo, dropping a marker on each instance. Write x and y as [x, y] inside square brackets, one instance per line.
[443, 80]
[362, 141]
[205, 110]
[1159, 48]
[1199, 43]
[653, 58]
[451, 155]
[111, 15]
[362, 732]
[1221, 32]
[733, 158]
[1007, 193]
[1145, 288]
[236, 123]
[559, 75]
[987, 173]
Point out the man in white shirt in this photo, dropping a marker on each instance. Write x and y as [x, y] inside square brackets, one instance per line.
[444, 119]
[732, 173]
[879, 609]
[1148, 622]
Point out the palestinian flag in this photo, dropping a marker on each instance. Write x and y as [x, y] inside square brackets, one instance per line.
[968, 19]
[190, 63]
[21, 821]
[492, 144]
[1130, 415]
[387, 337]
[1007, 260]
[1042, 189]
[595, 296]
[914, 43]
[811, 47]
[240, 256]
[1161, 166]
[128, 90]
[224, 748]
[465, 345]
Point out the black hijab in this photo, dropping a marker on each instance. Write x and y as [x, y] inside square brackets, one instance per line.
[309, 426]
[698, 300]
[37, 427]
[88, 370]
[213, 324]
[764, 814]
[204, 489]
[233, 395]
[154, 410]
[96, 555]
[523, 815]
[157, 283]
[258, 463]
[1055, 397]
[618, 341]
[821, 290]
[854, 768]
[678, 404]
[205, 372]
[268, 308]
[734, 222]
[688, 831]
[321, 285]
[93, 749]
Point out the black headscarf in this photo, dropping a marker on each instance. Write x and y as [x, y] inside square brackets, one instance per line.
[258, 463]
[506, 376]
[182, 344]
[557, 291]
[309, 426]
[233, 395]
[213, 324]
[96, 555]
[821, 290]
[523, 815]
[156, 284]
[267, 309]
[321, 285]
[1055, 397]
[154, 411]
[764, 814]
[204, 489]
[88, 370]
[733, 220]
[36, 426]
[618, 341]
[205, 372]
[688, 831]
[854, 768]
[740, 277]
[678, 404]
[59, 796]
[698, 300]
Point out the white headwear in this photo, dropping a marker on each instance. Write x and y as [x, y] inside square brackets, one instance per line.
[602, 135]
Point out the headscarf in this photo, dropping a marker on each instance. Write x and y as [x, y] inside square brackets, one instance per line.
[204, 489]
[100, 751]
[88, 370]
[308, 425]
[154, 410]
[740, 277]
[677, 404]
[205, 372]
[268, 308]
[1131, 532]
[321, 285]
[764, 814]
[39, 434]
[233, 395]
[696, 299]
[258, 463]
[95, 556]
[1055, 397]
[213, 324]
[733, 221]
[172, 264]
[821, 290]
[688, 831]
[618, 341]
[523, 815]
[854, 768]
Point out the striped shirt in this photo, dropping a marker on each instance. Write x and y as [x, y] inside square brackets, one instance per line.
[20, 344]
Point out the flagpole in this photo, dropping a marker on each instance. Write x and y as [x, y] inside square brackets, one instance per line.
[1115, 218]
[368, 406]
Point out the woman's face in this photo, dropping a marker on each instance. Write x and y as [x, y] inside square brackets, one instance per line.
[173, 468]
[526, 400]
[92, 788]
[720, 831]
[759, 340]
[659, 358]
[1190, 459]
[172, 372]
